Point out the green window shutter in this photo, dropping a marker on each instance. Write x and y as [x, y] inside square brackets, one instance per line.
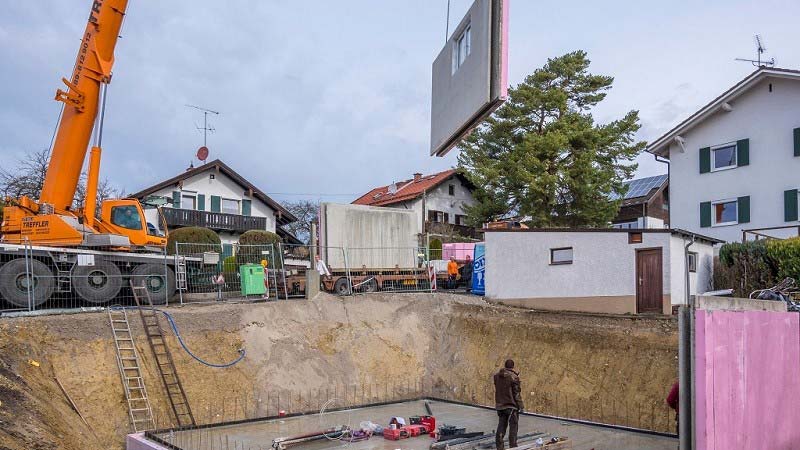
[201, 202]
[790, 205]
[246, 205]
[705, 160]
[176, 199]
[797, 142]
[743, 152]
[705, 214]
[744, 209]
[215, 204]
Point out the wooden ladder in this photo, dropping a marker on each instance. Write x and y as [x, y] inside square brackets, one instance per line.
[139, 410]
[166, 366]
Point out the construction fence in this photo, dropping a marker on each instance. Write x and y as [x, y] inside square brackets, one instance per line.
[33, 279]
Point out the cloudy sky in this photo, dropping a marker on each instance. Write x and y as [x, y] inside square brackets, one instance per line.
[326, 100]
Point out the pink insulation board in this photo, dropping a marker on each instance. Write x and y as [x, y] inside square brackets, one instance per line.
[747, 380]
[459, 250]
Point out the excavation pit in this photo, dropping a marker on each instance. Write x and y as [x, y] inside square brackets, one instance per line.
[259, 434]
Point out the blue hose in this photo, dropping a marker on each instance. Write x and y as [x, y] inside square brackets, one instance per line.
[180, 340]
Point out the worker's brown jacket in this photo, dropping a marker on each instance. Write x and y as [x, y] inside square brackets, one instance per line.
[507, 389]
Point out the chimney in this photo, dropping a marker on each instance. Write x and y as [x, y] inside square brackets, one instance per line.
[417, 177]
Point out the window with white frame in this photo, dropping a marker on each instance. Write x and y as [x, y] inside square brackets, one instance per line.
[188, 200]
[561, 256]
[462, 47]
[691, 261]
[230, 206]
[725, 212]
[723, 156]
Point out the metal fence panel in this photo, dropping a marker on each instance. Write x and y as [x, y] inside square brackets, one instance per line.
[214, 272]
[37, 278]
[389, 269]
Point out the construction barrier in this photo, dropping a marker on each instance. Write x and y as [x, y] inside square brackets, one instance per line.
[35, 279]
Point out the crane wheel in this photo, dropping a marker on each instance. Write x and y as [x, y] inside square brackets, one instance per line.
[159, 281]
[99, 283]
[15, 282]
[341, 287]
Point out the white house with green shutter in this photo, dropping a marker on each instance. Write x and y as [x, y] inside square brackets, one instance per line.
[215, 196]
[734, 165]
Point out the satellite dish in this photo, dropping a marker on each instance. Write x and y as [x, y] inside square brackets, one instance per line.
[202, 153]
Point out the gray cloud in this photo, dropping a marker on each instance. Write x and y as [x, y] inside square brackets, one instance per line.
[333, 97]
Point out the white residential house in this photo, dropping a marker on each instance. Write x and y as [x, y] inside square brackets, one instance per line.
[438, 199]
[734, 165]
[215, 196]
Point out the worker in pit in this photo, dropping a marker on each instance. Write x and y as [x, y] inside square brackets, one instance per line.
[452, 273]
[508, 402]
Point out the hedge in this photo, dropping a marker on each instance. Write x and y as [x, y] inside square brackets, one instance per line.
[193, 235]
[251, 245]
[754, 265]
[785, 256]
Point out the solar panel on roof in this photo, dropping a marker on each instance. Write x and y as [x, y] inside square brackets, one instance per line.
[643, 186]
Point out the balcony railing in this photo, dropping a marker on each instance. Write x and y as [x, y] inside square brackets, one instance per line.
[450, 229]
[213, 220]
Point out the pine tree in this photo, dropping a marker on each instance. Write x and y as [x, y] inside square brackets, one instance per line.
[542, 155]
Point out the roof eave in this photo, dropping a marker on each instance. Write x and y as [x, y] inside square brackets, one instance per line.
[660, 147]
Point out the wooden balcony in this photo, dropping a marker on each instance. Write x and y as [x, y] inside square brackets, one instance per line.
[177, 218]
[449, 229]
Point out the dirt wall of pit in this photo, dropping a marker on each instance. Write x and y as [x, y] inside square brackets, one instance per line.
[300, 353]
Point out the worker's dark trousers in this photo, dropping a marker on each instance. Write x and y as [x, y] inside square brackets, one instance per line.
[508, 418]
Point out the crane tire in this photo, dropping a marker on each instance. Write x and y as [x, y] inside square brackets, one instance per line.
[153, 277]
[14, 282]
[97, 284]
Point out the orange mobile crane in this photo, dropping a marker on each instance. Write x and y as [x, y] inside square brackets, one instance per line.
[115, 245]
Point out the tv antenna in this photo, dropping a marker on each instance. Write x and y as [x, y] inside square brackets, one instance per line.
[206, 127]
[760, 49]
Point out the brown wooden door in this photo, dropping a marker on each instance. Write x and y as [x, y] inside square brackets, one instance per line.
[649, 281]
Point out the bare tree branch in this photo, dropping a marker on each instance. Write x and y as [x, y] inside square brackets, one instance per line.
[26, 178]
[307, 212]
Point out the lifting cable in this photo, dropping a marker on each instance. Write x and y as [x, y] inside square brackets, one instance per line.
[180, 340]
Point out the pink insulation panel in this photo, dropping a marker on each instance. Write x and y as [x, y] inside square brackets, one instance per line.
[747, 380]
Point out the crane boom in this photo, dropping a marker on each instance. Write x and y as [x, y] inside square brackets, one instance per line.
[92, 69]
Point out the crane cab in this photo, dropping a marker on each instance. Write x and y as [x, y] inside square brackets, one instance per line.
[126, 217]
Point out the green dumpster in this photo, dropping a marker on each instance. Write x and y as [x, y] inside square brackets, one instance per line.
[252, 277]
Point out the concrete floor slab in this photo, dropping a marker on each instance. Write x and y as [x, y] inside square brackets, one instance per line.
[260, 434]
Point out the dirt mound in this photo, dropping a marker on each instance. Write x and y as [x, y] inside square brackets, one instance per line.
[300, 353]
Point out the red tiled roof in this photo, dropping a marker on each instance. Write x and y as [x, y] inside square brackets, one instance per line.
[406, 190]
